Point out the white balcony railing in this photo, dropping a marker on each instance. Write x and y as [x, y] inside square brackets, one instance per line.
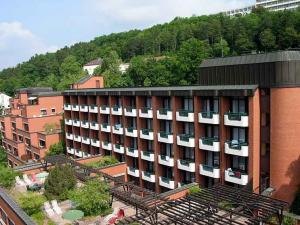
[186, 140]
[67, 107]
[75, 108]
[148, 176]
[132, 152]
[93, 109]
[84, 108]
[95, 143]
[165, 137]
[68, 122]
[166, 182]
[131, 132]
[94, 126]
[118, 129]
[85, 124]
[70, 150]
[209, 144]
[106, 145]
[236, 119]
[119, 148]
[209, 171]
[164, 114]
[185, 116]
[237, 148]
[209, 118]
[69, 136]
[146, 113]
[130, 111]
[85, 140]
[133, 172]
[105, 127]
[186, 165]
[146, 134]
[104, 109]
[165, 160]
[77, 138]
[236, 177]
[116, 110]
[76, 123]
[148, 156]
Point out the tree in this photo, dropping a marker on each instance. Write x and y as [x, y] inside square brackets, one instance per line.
[7, 177]
[61, 179]
[56, 149]
[221, 48]
[243, 43]
[93, 198]
[31, 202]
[3, 157]
[267, 40]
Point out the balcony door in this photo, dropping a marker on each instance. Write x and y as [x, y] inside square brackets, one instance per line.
[239, 105]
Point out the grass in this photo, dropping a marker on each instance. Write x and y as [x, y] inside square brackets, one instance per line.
[102, 162]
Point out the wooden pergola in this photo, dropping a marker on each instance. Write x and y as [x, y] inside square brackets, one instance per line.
[220, 204]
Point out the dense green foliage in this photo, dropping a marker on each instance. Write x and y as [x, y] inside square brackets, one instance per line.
[92, 198]
[3, 157]
[60, 181]
[56, 149]
[103, 161]
[7, 176]
[31, 202]
[295, 207]
[166, 54]
[194, 190]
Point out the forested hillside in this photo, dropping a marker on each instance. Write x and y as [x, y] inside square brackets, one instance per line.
[166, 54]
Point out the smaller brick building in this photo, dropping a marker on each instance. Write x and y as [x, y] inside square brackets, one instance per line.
[32, 124]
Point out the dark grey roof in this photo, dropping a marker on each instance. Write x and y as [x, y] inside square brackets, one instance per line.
[279, 56]
[34, 90]
[48, 94]
[15, 207]
[95, 62]
[84, 79]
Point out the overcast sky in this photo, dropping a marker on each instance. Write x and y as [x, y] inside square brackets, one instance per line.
[28, 27]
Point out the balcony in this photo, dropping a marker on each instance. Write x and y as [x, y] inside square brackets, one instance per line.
[93, 109]
[146, 112]
[133, 172]
[209, 171]
[236, 177]
[165, 137]
[236, 119]
[185, 116]
[77, 138]
[119, 148]
[78, 153]
[146, 134]
[186, 165]
[106, 145]
[68, 122]
[116, 110]
[95, 143]
[131, 132]
[85, 140]
[105, 127]
[76, 123]
[70, 150]
[148, 176]
[132, 152]
[186, 140]
[85, 124]
[164, 114]
[118, 129]
[84, 108]
[148, 156]
[67, 107]
[209, 144]
[130, 111]
[165, 160]
[75, 108]
[209, 117]
[166, 182]
[237, 148]
[94, 125]
[69, 136]
[104, 109]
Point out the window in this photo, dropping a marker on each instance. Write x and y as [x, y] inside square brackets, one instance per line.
[239, 134]
[20, 138]
[211, 105]
[3, 215]
[53, 110]
[239, 105]
[26, 126]
[43, 112]
[42, 143]
[27, 141]
[37, 157]
[10, 222]
[239, 163]
[188, 104]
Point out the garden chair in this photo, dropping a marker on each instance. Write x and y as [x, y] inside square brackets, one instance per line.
[55, 207]
[19, 181]
[48, 209]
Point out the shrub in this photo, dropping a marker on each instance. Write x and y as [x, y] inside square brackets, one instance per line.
[56, 149]
[7, 176]
[103, 161]
[61, 179]
[92, 198]
[3, 157]
[194, 190]
[289, 221]
[295, 207]
[31, 202]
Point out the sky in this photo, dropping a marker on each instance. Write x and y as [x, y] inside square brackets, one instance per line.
[29, 27]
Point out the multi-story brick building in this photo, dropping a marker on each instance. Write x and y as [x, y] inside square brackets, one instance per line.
[32, 124]
[239, 126]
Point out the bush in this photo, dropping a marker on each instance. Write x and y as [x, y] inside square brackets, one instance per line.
[93, 198]
[295, 207]
[56, 149]
[61, 179]
[194, 190]
[7, 176]
[31, 202]
[3, 157]
[103, 161]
